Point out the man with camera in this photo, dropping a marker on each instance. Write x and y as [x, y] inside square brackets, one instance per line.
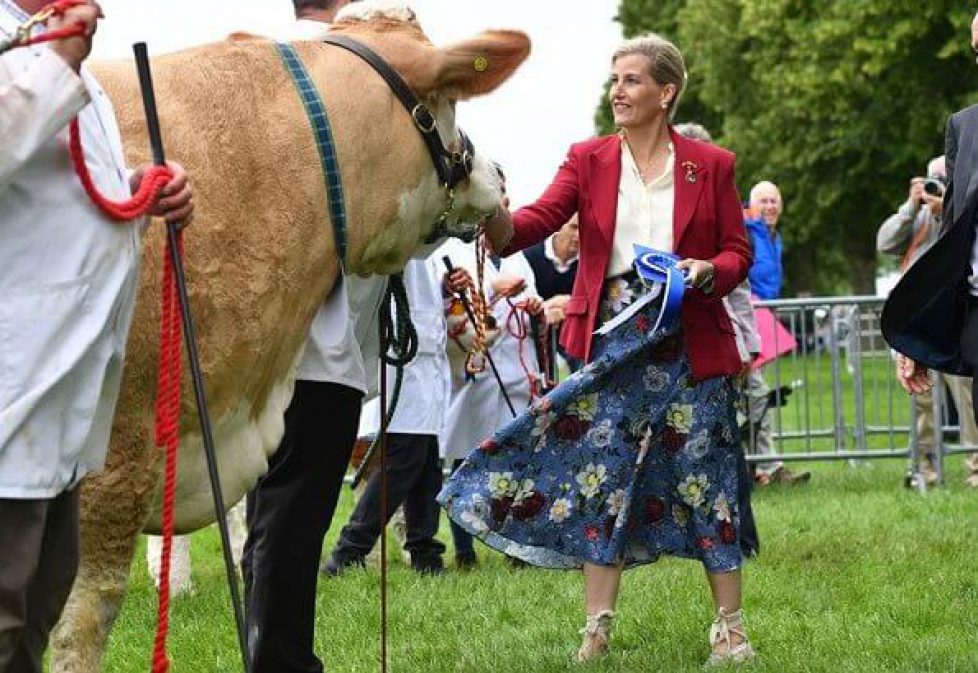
[907, 234]
[916, 225]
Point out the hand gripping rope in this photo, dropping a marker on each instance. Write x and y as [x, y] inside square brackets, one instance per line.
[472, 301]
[172, 320]
[22, 36]
[474, 319]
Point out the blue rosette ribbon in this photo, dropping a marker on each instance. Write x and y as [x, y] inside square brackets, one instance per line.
[657, 269]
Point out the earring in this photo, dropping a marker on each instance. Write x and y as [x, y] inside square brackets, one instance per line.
[665, 104]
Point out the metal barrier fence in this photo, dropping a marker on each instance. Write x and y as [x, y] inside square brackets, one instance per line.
[839, 398]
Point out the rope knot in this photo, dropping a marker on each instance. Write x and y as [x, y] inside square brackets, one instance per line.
[154, 179]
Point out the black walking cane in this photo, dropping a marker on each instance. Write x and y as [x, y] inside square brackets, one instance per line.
[468, 311]
[554, 342]
[190, 337]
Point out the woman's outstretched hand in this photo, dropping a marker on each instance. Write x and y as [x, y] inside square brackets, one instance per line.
[498, 229]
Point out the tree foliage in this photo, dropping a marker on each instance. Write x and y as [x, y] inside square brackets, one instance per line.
[839, 102]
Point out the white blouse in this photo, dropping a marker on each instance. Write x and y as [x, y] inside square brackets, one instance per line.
[644, 212]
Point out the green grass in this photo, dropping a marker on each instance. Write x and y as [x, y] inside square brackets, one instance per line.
[856, 575]
[810, 410]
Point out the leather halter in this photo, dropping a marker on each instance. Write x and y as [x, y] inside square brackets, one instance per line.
[453, 167]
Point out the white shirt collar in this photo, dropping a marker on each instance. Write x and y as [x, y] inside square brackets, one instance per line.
[551, 254]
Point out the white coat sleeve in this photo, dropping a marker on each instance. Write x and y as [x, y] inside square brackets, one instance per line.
[35, 103]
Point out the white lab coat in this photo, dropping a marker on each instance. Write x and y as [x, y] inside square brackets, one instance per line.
[426, 385]
[68, 275]
[478, 408]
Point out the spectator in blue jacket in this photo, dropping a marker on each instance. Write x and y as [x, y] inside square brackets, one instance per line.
[766, 275]
[761, 219]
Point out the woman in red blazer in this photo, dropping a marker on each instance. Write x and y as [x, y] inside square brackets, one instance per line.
[573, 482]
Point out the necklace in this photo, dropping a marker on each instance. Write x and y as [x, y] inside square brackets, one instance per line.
[648, 162]
[647, 169]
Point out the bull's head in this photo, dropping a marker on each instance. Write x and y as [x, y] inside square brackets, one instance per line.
[454, 200]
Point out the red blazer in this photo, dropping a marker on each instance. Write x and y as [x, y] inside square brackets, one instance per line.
[707, 224]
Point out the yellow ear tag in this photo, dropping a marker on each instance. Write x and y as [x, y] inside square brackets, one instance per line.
[481, 64]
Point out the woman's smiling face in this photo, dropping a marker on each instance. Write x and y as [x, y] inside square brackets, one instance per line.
[636, 98]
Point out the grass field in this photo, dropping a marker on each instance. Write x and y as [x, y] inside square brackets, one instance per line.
[856, 575]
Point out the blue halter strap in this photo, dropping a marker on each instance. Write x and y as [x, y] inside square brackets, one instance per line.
[316, 112]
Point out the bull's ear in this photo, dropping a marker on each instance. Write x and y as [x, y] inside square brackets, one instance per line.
[479, 65]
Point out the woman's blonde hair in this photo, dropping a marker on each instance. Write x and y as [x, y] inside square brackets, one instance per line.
[666, 63]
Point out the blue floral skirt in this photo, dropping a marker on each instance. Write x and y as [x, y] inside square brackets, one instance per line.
[623, 462]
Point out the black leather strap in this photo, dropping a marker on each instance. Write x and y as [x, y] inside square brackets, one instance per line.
[452, 168]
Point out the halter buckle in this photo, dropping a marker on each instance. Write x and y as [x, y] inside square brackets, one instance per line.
[423, 119]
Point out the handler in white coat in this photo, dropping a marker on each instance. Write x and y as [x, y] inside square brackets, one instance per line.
[291, 507]
[413, 465]
[478, 406]
[68, 279]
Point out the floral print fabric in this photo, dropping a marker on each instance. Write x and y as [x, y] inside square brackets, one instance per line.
[625, 461]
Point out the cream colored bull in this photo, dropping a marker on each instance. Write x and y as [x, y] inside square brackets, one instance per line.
[261, 258]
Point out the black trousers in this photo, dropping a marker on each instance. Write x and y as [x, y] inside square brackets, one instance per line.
[414, 479]
[38, 563]
[750, 542]
[289, 512]
[969, 350]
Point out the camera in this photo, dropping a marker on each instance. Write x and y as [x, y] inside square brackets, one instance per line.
[934, 186]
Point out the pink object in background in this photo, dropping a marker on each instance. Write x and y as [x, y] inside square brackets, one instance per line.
[775, 339]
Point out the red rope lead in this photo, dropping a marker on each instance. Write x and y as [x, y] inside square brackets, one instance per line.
[168, 437]
[170, 365]
[23, 38]
[517, 329]
[154, 179]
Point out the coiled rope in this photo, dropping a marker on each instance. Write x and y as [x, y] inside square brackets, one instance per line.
[402, 347]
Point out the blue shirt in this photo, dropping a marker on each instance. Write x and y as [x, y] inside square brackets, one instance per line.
[765, 273]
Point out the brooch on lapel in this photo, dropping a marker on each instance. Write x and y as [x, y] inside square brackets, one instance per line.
[691, 169]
